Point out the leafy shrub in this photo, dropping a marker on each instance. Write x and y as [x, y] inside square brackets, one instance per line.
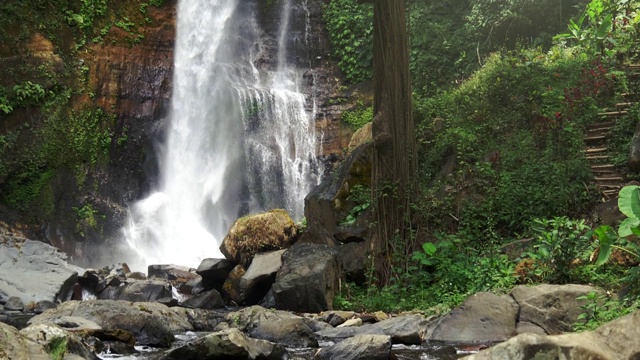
[359, 116]
[350, 27]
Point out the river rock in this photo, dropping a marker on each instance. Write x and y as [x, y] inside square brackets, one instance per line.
[249, 235]
[257, 281]
[273, 325]
[405, 329]
[555, 308]
[308, 279]
[207, 300]
[226, 344]
[359, 347]
[483, 317]
[14, 303]
[214, 272]
[616, 340]
[50, 336]
[176, 275]
[34, 271]
[138, 291]
[328, 204]
[151, 323]
[16, 346]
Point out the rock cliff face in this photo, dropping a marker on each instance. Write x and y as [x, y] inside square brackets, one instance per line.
[77, 200]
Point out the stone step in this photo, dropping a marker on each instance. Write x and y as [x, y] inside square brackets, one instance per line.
[603, 125]
[609, 178]
[597, 157]
[602, 167]
[594, 138]
[624, 105]
[613, 114]
[611, 192]
[594, 150]
[610, 186]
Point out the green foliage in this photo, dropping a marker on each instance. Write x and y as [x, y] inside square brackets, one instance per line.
[599, 308]
[506, 146]
[28, 93]
[359, 116]
[620, 136]
[350, 27]
[5, 106]
[26, 187]
[58, 348]
[360, 196]
[559, 244]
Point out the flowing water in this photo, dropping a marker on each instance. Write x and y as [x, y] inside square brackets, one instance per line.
[240, 137]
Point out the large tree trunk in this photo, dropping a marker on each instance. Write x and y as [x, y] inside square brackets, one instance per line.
[394, 158]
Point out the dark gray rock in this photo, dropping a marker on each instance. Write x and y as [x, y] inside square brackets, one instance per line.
[138, 291]
[232, 288]
[555, 308]
[406, 329]
[353, 261]
[214, 272]
[170, 272]
[168, 301]
[257, 280]
[617, 340]
[483, 317]
[226, 344]
[207, 300]
[359, 347]
[34, 271]
[151, 323]
[268, 301]
[308, 279]
[42, 306]
[14, 303]
[274, 325]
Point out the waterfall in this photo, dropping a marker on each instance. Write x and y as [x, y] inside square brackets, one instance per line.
[240, 137]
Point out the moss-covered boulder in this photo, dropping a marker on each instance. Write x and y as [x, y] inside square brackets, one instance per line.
[249, 235]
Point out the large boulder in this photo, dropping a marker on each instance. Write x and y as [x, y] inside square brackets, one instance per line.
[308, 279]
[176, 275]
[226, 344]
[257, 280]
[137, 291]
[483, 317]
[16, 346]
[55, 337]
[276, 326]
[151, 323]
[359, 347]
[328, 204]
[214, 272]
[404, 329]
[616, 340]
[34, 271]
[554, 308]
[249, 235]
[207, 300]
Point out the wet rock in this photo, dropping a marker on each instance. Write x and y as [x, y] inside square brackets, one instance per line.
[175, 275]
[14, 303]
[136, 275]
[151, 323]
[42, 306]
[308, 279]
[328, 204]
[50, 336]
[268, 301]
[353, 261]
[76, 323]
[249, 235]
[138, 291]
[405, 329]
[359, 347]
[168, 301]
[232, 288]
[207, 300]
[257, 281]
[214, 272]
[483, 317]
[274, 325]
[614, 340]
[16, 346]
[226, 344]
[554, 308]
[34, 271]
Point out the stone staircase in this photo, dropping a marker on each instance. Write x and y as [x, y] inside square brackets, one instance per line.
[607, 178]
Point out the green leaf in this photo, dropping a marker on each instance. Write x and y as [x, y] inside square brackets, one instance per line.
[629, 201]
[627, 226]
[429, 248]
[606, 236]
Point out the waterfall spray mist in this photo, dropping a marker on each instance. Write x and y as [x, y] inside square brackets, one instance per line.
[240, 137]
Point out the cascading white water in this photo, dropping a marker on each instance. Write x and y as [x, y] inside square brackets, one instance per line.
[240, 138]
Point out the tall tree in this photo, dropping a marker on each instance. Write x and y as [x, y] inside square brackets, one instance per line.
[394, 154]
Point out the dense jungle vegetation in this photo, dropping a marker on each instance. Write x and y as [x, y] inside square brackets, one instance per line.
[503, 93]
